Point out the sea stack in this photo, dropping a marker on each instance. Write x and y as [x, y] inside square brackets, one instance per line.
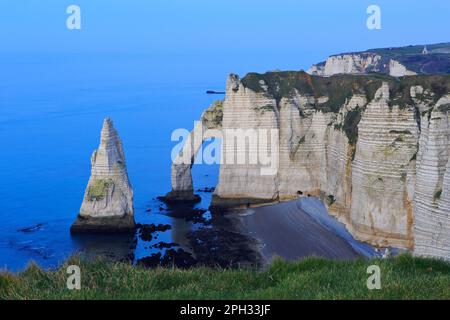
[108, 200]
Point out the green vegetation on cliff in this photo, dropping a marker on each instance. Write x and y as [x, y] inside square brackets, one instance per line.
[404, 277]
[338, 88]
[99, 189]
[214, 113]
[351, 122]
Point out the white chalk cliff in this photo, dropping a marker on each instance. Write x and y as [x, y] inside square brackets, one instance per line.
[359, 63]
[108, 200]
[374, 148]
[393, 61]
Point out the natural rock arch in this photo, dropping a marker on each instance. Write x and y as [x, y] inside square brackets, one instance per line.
[209, 126]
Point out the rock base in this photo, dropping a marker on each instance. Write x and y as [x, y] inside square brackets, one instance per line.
[174, 197]
[83, 224]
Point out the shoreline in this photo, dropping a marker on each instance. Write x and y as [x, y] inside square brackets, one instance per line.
[306, 220]
[286, 230]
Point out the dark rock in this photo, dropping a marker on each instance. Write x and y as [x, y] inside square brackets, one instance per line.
[221, 246]
[172, 258]
[188, 213]
[163, 245]
[178, 258]
[145, 235]
[151, 261]
[124, 224]
[146, 230]
[212, 189]
[37, 227]
[214, 92]
[180, 197]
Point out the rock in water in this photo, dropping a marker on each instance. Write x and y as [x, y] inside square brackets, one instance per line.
[108, 200]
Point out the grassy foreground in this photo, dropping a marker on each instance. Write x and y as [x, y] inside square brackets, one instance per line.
[404, 277]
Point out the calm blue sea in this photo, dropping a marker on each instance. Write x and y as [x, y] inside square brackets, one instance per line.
[51, 112]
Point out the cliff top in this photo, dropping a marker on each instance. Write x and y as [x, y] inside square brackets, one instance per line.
[406, 50]
[340, 87]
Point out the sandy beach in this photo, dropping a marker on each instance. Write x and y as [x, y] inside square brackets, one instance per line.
[300, 228]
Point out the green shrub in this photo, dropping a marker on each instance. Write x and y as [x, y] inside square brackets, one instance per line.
[351, 121]
[331, 200]
[437, 195]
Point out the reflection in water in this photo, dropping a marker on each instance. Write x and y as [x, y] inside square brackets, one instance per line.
[185, 219]
[180, 228]
[117, 247]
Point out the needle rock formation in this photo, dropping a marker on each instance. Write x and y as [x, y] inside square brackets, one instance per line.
[108, 200]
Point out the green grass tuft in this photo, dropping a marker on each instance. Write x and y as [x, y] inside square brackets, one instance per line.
[404, 277]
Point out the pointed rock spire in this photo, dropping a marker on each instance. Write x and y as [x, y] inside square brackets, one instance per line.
[108, 200]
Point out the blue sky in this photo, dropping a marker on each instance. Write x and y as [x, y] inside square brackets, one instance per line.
[309, 29]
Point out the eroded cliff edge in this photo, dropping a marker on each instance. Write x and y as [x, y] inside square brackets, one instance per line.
[373, 147]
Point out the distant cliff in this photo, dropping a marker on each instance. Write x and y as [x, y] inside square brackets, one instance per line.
[396, 62]
[375, 148]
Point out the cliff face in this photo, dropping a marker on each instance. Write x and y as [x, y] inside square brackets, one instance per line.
[374, 148]
[432, 189]
[360, 63]
[396, 62]
[108, 200]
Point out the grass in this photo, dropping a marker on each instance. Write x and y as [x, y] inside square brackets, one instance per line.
[404, 277]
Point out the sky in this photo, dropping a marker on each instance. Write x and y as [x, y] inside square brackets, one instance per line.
[310, 30]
